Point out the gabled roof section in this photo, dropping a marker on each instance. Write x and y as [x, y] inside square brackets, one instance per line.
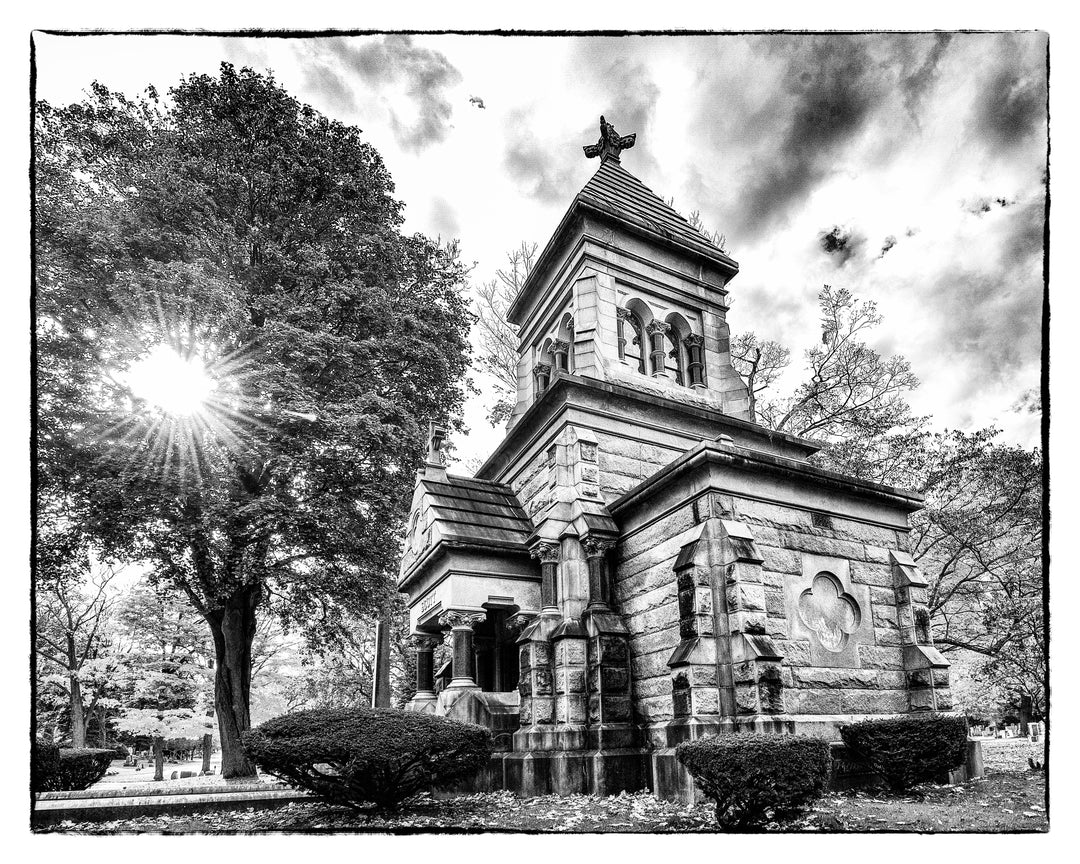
[617, 194]
[617, 191]
[476, 512]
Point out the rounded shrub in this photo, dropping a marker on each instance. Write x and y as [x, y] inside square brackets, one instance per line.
[357, 756]
[80, 769]
[909, 750]
[747, 775]
[44, 766]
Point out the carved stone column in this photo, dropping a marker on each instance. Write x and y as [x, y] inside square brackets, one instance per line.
[425, 666]
[596, 549]
[657, 331]
[695, 351]
[621, 317]
[461, 634]
[548, 554]
[542, 371]
[560, 350]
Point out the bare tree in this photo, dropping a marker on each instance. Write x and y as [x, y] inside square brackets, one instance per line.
[760, 362]
[70, 618]
[497, 336]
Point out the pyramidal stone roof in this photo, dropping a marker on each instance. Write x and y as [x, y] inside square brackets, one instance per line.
[477, 512]
[616, 191]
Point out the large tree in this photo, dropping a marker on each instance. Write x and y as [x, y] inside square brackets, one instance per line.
[239, 352]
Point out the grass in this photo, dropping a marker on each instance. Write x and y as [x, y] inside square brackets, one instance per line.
[1010, 798]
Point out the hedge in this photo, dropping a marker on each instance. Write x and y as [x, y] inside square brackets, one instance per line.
[747, 774]
[44, 766]
[54, 769]
[909, 750]
[356, 756]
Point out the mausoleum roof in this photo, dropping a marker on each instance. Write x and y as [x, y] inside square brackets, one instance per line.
[476, 512]
[615, 190]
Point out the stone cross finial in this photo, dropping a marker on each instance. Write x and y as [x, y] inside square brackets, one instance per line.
[611, 143]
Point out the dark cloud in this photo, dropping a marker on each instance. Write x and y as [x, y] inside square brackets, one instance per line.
[444, 218]
[427, 75]
[1030, 402]
[916, 85]
[842, 243]
[832, 88]
[1010, 108]
[979, 206]
[890, 241]
[541, 173]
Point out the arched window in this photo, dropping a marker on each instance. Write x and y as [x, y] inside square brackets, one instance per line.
[633, 340]
[678, 331]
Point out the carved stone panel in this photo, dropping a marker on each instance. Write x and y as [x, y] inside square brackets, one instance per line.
[830, 612]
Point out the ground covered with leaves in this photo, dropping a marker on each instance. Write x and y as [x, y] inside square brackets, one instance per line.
[1010, 798]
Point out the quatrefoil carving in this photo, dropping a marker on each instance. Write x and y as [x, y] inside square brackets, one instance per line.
[831, 613]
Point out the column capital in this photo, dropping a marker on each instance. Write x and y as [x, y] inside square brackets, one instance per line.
[424, 642]
[657, 326]
[542, 369]
[558, 345]
[548, 553]
[623, 313]
[694, 340]
[457, 619]
[516, 623]
[597, 547]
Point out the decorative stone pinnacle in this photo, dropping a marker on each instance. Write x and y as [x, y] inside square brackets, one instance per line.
[610, 144]
[436, 439]
[455, 618]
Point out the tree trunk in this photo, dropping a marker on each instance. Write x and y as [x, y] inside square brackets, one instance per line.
[233, 628]
[207, 747]
[159, 758]
[78, 720]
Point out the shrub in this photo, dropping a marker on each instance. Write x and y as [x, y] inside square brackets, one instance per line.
[375, 755]
[44, 766]
[750, 774]
[80, 769]
[120, 751]
[909, 750]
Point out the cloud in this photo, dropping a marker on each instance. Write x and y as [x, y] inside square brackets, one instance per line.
[917, 85]
[842, 243]
[1010, 107]
[890, 241]
[540, 173]
[444, 218]
[331, 86]
[831, 86]
[625, 92]
[426, 75]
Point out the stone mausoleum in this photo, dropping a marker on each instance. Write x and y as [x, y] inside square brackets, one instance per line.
[639, 563]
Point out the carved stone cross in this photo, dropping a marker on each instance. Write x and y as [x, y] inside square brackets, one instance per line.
[611, 143]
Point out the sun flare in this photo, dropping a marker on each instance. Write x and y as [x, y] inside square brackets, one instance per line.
[178, 385]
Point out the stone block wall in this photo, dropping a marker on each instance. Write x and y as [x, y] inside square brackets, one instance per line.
[813, 611]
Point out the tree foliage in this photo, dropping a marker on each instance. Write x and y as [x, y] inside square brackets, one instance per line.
[247, 231]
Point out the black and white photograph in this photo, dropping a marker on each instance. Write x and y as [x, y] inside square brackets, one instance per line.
[553, 431]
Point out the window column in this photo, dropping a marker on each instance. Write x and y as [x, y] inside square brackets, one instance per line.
[657, 330]
[696, 365]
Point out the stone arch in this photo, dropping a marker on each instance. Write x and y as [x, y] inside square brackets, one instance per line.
[636, 347]
[678, 330]
[566, 335]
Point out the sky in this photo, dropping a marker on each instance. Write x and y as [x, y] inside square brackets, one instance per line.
[908, 168]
